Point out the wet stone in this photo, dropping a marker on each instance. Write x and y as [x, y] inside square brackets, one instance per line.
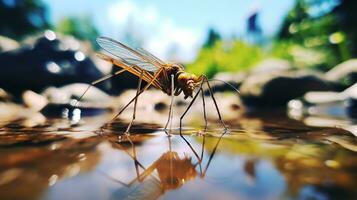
[345, 73]
[277, 88]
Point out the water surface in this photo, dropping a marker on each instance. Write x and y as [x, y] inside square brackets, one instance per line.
[265, 157]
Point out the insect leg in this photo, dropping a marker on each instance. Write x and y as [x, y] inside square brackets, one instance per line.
[171, 104]
[183, 115]
[141, 91]
[135, 103]
[135, 158]
[212, 154]
[204, 108]
[205, 117]
[139, 176]
[98, 81]
[215, 103]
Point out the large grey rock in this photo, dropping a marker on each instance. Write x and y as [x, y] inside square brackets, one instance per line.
[345, 72]
[277, 88]
[49, 61]
[327, 109]
[331, 104]
[236, 79]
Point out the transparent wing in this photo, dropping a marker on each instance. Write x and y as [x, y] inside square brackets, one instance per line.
[128, 55]
[150, 56]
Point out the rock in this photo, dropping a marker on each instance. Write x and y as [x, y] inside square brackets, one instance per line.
[7, 44]
[64, 100]
[66, 94]
[236, 79]
[271, 65]
[10, 112]
[33, 100]
[4, 96]
[345, 72]
[327, 104]
[277, 88]
[327, 109]
[50, 61]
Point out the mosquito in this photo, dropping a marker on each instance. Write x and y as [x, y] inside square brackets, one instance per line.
[170, 78]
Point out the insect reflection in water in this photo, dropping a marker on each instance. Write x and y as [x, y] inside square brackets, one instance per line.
[168, 172]
[170, 78]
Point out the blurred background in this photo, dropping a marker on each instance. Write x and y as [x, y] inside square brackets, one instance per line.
[292, 127]
[192, 32]
[264, 48]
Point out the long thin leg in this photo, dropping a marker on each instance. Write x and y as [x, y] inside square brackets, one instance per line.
[172, 116]
[98, 81]
[205, 117]
[183, 115]
[189, 106]
[139, 177]
[204, 108]
[203, 146]
[215, 103]
[135, 103]
[171, 162]
[133, 99]
[213, 152]
[171, 104]
[135, 159]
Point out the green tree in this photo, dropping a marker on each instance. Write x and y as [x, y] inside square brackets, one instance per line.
[346, 14]
[212, 37]
[324, 28]
[79, 27]
[234, 55]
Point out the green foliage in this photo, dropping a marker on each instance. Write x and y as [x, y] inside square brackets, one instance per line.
[321, 39]
[22, 17]
[79, 27]
[234, 55]
[301, 56]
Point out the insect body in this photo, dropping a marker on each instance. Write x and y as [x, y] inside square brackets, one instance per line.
[168, 77]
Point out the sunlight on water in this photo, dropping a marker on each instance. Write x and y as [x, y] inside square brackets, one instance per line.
[256, 159]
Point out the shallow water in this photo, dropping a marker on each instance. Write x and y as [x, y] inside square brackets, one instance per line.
[265, 157]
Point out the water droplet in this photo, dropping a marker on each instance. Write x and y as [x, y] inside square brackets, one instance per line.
[50, 35]
[332, 163]
[79, 56]
[120, 138]
[52, 180]
[82, 157]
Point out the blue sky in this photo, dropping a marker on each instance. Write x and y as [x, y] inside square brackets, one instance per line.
[172, 29]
